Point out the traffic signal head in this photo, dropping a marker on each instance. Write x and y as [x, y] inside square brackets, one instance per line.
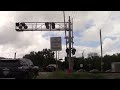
[53, 25]
[20, 26]
[67, 51]
[73, 51]
[47, 25]
[53, 53]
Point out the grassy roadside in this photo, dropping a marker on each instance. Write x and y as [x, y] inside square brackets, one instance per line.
[75, 75]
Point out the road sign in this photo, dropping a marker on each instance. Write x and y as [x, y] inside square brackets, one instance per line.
[81, 65]
[56, 44]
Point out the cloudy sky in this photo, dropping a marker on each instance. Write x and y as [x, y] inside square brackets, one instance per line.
[86, 32]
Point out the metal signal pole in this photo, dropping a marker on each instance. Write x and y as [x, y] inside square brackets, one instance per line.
[15, 55]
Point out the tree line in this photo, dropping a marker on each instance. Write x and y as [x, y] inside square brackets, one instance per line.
[46, 57]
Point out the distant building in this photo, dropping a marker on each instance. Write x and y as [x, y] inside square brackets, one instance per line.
[2, 58]
[115, 67]
[92, 54]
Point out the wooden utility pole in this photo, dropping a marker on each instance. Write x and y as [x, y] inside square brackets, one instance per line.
[101, 52]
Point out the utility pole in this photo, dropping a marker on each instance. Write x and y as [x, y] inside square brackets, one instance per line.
[83, 60]
[70, 64]
[83, 53]
[15, 55]
[101, 52]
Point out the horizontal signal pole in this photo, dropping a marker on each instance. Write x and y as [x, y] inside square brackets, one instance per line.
[43, 22]
[40, 30]
[39, 26]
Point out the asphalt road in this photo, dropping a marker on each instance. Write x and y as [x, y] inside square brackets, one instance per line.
[106, 75]
[7, 78]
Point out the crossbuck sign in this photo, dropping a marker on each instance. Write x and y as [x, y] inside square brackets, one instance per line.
[56, 44]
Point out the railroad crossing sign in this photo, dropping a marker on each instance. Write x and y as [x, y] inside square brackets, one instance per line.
[56, 44]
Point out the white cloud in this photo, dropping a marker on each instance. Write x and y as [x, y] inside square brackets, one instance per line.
[5, 17]
[90, 35]
[24, 42]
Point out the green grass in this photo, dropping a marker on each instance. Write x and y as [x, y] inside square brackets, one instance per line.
[75, 75]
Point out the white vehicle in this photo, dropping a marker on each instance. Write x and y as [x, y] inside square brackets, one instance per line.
[81, 70]
[51, 67]
[94, 70]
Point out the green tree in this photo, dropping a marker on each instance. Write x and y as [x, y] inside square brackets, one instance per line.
[41, 58]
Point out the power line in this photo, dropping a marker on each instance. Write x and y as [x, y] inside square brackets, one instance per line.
[103, 25]
[68, 13]
[75, 15]
[71, 15]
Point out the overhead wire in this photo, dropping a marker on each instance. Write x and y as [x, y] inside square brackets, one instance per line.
[75, 13]
[108, 18]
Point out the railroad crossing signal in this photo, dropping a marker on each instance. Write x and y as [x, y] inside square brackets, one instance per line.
[53, 25]
[73, 51]
[47, 25]
[21, 26]
[50, 26]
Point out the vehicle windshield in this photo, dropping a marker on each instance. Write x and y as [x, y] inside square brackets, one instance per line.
[9, 63]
